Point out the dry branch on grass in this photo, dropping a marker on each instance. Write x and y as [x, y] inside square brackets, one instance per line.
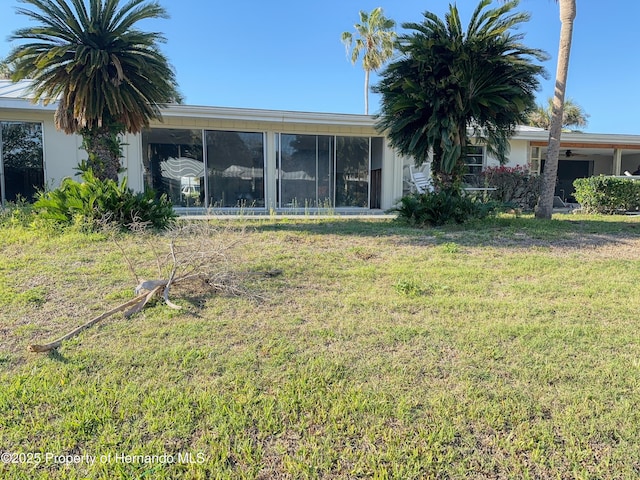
[197, 252]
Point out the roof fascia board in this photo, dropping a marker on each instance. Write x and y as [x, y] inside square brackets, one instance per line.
[580, 138]
[270, 116]
[25, 104]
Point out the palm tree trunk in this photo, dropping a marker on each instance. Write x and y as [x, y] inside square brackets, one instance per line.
[545, 202]
[104, 151]
[366, 92]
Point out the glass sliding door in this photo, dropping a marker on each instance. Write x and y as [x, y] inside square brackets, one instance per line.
[173, 165]
[235, 168]
[305, 167]
[298, 170]
[21, 160]
[352, 172]
[323, 171]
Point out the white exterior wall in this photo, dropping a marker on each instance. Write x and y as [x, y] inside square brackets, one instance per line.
[132, 161]
[392, 178]
[62, 154]
[519, 154]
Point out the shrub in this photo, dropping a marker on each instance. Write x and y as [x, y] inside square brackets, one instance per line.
[93, 201]
[607, 195]
[514, 185]
[439, 208]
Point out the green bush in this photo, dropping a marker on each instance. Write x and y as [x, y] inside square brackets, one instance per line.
[439, 208]
[514, 185]
[94, 201]
[607, 195]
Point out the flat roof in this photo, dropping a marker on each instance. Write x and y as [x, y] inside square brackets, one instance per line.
[18, 96]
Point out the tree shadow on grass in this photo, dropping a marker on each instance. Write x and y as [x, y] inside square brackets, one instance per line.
[524, 232]
[57, 356]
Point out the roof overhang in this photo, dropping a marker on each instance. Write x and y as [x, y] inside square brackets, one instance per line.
[26, 104]
[583, 140]
[268, 116]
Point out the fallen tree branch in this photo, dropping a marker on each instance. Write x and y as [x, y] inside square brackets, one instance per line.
[148, 295]
[165, 293]
[195, 252]
[55, 344]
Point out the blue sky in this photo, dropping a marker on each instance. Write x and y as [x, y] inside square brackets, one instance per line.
[287, 54]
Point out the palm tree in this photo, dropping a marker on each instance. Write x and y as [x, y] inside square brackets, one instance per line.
[108, 77]
[376, 41]
[5, 70]
[545, 201]
[449, 81]
[573, 115]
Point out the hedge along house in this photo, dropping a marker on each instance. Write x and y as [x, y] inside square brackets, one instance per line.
[225, 159]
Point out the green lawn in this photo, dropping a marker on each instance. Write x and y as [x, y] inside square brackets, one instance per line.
[504, 349]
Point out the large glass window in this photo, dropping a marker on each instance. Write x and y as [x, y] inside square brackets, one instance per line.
[21, 160]
[173, 164]
[305, 171]
[235, 167]
[352, 172]
[225, 169]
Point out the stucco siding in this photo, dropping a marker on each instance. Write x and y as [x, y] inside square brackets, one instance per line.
[62, 154]
[519, 154]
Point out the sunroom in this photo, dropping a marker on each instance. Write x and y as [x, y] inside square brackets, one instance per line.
[233, 159]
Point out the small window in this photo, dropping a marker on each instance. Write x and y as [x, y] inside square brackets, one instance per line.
[474, 160]
[534, 161]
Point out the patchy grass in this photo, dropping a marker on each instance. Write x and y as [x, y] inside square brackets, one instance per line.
[504, 349]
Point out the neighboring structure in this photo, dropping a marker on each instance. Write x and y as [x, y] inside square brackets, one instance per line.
[228, 158]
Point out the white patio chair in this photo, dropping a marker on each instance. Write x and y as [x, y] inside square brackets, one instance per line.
[420, 181]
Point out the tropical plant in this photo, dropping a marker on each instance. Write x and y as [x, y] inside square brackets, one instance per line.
[93, 202]
[108, 77]
[439, 208]
[449, 81]
[573, 115]
[544, 208]
[376, 42]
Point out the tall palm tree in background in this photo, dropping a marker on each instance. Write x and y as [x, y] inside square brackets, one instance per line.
[448, 81]
[573, 115]
[376, 42]
[108, 76]
[5, 70]
[544, 208]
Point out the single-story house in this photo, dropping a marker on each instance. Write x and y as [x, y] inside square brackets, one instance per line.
[215, 158]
